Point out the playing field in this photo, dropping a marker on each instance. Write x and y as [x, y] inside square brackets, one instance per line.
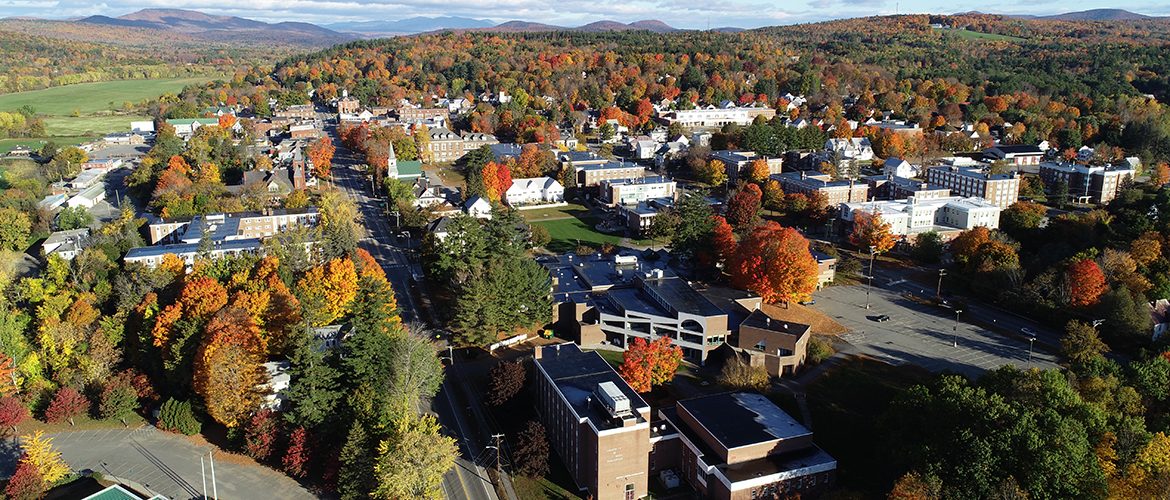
[89, 125]
[35, 143]
[90, 98]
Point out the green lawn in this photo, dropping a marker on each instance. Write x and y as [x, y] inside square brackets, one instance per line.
[89, 125]
[572, 210]
[975, 35]
[568, 233]
[89, 98]
[35, 143]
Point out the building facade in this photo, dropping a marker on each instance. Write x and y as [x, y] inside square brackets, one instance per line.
[634, 191]
[1000, 189]
[1088, 184]
[591, 174]
[835, 192]
[912, 216]
[717, 117]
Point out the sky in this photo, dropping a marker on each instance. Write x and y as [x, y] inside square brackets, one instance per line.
[694, 14]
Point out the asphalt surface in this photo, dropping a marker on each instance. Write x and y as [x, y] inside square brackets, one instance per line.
[467, 480]
[924, 335]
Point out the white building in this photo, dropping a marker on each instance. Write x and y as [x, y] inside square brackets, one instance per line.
[534, 190]
[911, 216]
[478, 207]
[898, 167]
[855, 148]
[278, 382]
[88, 197]
[633, 191]
[711, 116]
[65, 244]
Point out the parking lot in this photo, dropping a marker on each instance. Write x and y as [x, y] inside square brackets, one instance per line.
[923, 335]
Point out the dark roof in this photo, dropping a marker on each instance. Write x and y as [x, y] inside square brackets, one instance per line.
[739, 419]
[576, 374]
[1018, 148]
[758, 319]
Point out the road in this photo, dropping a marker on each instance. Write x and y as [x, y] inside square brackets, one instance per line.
[467, 480]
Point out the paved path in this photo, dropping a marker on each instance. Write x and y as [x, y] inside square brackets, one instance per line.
[168, 464]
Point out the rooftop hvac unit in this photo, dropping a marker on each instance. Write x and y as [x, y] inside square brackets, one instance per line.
[616, 403]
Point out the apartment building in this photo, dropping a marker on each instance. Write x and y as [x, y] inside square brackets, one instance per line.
[1018, 155]
[297, 111]
[741, 446]
[913, 216]
[634, 191]
[445, 145]
[836, 192]
[622, 297]
[475, 140]
[240, 225]
[596, 423]
[712, 117]
[1087, 184]
[412, 114]
[1000, 189]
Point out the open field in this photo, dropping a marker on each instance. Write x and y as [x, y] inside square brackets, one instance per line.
[572, 210]
[35, 143]
[89, 98]
[89, 125]
[568, 233]
[975, 35]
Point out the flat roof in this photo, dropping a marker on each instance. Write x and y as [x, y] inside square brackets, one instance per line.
[759, 319]
[740, 419]
[185, 248]
[576, 374]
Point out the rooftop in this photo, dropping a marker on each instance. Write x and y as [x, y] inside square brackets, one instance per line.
[190, 248]
[758, 319]
[610, 165]
[577, 374]
[743, 419]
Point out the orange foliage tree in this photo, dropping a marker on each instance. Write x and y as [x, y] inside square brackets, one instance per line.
[744, 208]
[199, 298]
[758, 170]
[647, 364]
[497, 178]
[869, 230]
[528, 164]
[331, 288]
[1086, 283]
[228, 366]
[320, 153]
[774, 261]
[226, 122]
[723, 239]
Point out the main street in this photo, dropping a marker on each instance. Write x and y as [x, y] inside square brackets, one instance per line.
[467, 480]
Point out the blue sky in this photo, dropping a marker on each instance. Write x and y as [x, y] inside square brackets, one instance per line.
[692, 14]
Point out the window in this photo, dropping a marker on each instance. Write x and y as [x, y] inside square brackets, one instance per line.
[761, 345]
[629, 492]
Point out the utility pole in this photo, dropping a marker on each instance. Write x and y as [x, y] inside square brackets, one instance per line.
[941, 273]
[499, 450]
[955, 330]
[214, 487]
[870, 287]
[203, 475]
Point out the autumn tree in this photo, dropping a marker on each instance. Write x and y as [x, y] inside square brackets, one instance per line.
[913, 486]
[296, 457]
[40, 454]
[1161, 174]
[532, 450]
[12, 412]
[228, 366]
[320, 152]
[412, 462]
[723, 240]
[330, 288]
[1147, 248]
[66, 404]
[773, 196]
[506, 381]
[260, 436]
[1081, 343]
[758, 171]
[744, 208]
[497, 178]
[738, 374]
[15, 227]
[1086, 283]
[870, 231]
[712, 173]
[774, 262]
[647, 364]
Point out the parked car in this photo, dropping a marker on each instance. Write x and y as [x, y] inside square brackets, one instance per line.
[882, 318]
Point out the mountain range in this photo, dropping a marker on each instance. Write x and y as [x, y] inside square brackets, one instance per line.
[1093, 15]
[410, 25]
[223, 28]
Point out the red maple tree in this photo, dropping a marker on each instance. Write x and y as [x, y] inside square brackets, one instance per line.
[297, 455]
[647, 364]
[774, 261]
[723, 239]
[1086, 283]
[12, 412]
[66, 404]
[744, 207]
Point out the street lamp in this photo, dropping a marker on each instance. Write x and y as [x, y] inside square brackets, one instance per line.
[870, 287]
[395, 214]
[941, 273]
[1031, 340]
[955, 329]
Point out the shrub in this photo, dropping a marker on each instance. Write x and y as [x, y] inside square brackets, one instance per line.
[739, 375]
[297, 455]
[260, 436]
[819, 350]
[67, 403]
[12, 412]
[176, 416]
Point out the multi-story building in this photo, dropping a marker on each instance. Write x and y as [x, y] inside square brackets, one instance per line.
[912, 216]
[445, 145]
[475, 140]
[737, 162]
[1017, 154]
[781, 345]
[1087, 184]
[711, 117]
[639, 216]
[240, 225]
[408, 113]
[634, 191]
[348, 104]
[596, 423]
[1000, 189]
[580, 158]
[741, 446]
[835, 192]
[591, 174]
[297, 111]
[620, 298]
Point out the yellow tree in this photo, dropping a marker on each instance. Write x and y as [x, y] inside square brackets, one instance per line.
[330, 288]
[758, 170]
[228, 366]
[870, 231]
[39, 452]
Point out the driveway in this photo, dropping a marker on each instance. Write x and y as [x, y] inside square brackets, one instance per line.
[168, 464]
[923, 335]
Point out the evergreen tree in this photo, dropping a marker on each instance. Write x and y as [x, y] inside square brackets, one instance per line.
[313, 387]
[356, 478]
[693, 232]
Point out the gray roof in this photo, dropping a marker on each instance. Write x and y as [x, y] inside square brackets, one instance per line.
[187, 248]
[576, 374]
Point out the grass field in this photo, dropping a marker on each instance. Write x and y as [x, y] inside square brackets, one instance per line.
[975, 35]
[90, 125]
[571, 210]
[568, 233]
[35, 143]
[90, 98]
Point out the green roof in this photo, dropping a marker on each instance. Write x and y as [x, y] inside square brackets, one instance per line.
[115, 492]
[411, 168]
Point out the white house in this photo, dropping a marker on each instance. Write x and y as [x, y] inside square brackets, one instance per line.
[478, 207]
[534, 190]
[1160, 316]
[644, 149]
[277, 383]
[898, 167]
[65, 244]
[855, 148]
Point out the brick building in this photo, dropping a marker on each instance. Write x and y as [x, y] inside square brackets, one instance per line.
[1000, 189]
[1087, 184]
[836, 192]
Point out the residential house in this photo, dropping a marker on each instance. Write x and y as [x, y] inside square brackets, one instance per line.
[855, 148]
[186, 127]
[276, 385]
[898, 167]
[1160, 317]
[65, 244]
[536, 190]
[478, 207]
[644, 148]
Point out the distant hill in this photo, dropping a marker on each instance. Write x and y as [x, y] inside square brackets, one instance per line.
[410, 25]
[1098, 15]
[223, 28]
[594, 27]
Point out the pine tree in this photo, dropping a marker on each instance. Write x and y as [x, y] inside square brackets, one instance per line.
[356, 478]
[313, 387]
